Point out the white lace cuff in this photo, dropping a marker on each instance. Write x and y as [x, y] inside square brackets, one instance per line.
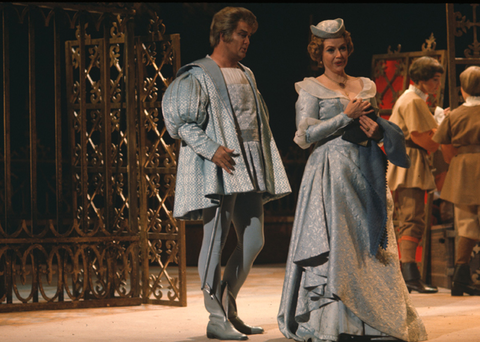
[301, 134]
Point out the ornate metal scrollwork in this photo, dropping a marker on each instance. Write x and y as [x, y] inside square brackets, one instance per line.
[429, 44]
[389, 50]
[462, 24]
[89, 248]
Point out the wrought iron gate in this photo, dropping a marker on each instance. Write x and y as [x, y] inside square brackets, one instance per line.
[86, 192]
[463, 45]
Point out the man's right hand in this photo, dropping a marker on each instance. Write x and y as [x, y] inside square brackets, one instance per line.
[223, 158]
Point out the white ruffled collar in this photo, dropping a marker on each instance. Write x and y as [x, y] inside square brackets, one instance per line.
[417, 91]
[472, 101]
[312, 86]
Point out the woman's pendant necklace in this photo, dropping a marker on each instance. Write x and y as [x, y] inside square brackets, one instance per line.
[341, 84]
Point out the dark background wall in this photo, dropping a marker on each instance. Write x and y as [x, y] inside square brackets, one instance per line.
[277, 53]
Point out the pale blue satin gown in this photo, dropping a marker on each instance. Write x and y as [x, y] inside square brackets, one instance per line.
[333, 284]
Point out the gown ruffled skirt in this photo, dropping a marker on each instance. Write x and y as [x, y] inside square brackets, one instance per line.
[333, 285]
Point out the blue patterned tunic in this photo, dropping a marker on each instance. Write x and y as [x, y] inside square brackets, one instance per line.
[197, 109]
[333, 283]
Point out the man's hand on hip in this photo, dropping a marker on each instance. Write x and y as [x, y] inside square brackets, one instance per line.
[223, 158]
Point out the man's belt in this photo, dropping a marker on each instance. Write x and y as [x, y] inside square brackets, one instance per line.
[411, 144]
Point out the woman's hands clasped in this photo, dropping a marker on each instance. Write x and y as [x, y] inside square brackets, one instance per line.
[356, 108]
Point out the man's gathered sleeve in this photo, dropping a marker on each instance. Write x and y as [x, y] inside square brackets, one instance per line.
[185, 113]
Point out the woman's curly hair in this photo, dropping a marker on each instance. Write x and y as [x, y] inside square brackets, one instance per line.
[316, 46]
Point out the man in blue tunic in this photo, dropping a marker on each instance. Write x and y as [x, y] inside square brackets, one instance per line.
[229, 165]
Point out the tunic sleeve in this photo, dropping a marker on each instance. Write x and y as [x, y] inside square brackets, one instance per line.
[444, 133]
[184, 108]
[418, 117]
[425, 140]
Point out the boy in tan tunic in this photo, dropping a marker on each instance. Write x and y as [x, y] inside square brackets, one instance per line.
[461, 129]
[412, 115]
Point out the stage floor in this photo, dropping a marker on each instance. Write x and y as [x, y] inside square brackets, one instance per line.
[447, 318]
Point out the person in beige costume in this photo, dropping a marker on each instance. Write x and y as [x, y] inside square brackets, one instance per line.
[412, 115]
[461, 129]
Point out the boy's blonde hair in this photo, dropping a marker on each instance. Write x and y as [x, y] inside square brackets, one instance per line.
[470, 80]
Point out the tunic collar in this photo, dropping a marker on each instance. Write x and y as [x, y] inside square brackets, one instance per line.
[472, 101]
[211, 68]
[417, 91]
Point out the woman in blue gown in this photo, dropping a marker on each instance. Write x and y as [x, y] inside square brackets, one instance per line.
[343, 275]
